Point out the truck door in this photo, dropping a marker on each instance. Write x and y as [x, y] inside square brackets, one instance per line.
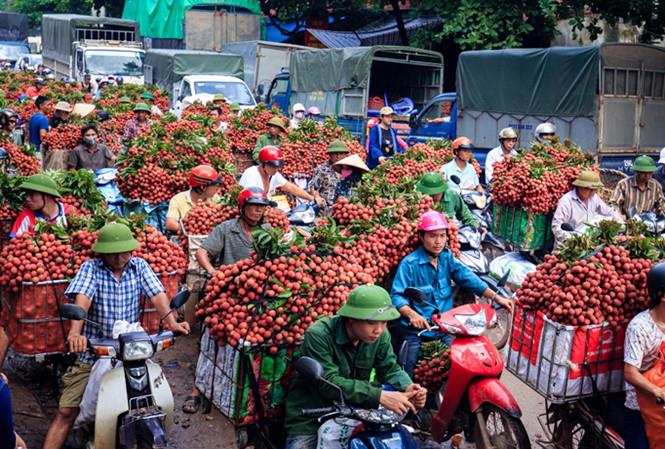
[436, 121]
[79, 69]
[279, 94]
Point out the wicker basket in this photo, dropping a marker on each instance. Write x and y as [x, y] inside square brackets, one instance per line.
[610, 178]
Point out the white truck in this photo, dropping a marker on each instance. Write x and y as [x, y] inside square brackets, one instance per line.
[191, 76]
[73, 45]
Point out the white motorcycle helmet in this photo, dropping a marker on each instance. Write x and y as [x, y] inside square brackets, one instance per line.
[544, 129]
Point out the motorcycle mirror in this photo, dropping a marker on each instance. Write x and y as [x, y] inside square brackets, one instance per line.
[415, 294]
[504, 279]
[309, 368]
[456, 179]
[567, 227]
[179, 299]
[72, 312]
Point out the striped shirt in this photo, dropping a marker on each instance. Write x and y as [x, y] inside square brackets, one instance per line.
[112, 299]
[628, 195]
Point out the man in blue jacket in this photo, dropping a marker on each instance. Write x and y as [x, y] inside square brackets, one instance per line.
[383, 143]
[431, 268]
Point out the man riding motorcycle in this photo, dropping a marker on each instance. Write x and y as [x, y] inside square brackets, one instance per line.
[640, 192]
[433, 184]
[545, 132]
[109, 289]
[461, 166]
[431, 268]
[349, 346]
[506, 148]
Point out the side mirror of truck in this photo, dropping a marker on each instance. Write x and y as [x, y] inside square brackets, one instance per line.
[413, 120]
[260, 90]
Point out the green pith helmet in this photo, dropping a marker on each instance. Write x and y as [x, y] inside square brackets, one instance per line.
[141, 107]
[41, 183]
[369, 302]
[644, 164]
[115, 238]
[337, 146]
[431, 184]
[588, 179]
[234, 107]
[147, 96]
[218, 97]
[124, 100]
[276, 121]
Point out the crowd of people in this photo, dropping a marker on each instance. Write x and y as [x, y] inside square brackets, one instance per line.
[109, 287]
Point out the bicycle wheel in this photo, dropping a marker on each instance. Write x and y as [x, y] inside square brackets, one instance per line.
[569, 432]
[500, 429]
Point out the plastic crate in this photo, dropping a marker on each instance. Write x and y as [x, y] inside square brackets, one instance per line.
[149, 315]
[231, 378]
[565, 363]
[32, 320]
[525, 230]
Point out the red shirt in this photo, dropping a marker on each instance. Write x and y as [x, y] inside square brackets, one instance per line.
[26, 220]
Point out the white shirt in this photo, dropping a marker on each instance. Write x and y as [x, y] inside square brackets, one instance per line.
[571, 209]
[252, 178]
[468, 176]
[641, 349]
[494, 156]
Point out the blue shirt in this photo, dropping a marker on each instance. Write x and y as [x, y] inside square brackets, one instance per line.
[377, 135]
[37, 122]
[113, 299]
[416, 270]
[7, 436]
[468, 177]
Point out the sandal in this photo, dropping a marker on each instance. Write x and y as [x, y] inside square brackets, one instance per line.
[192, 404]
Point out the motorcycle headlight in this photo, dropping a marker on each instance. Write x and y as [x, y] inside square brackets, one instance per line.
[137, 350]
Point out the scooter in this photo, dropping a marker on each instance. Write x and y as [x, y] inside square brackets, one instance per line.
[135, 402]
[474, 400]
[378, 429]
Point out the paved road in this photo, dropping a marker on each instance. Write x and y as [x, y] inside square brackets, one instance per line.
[34, 403]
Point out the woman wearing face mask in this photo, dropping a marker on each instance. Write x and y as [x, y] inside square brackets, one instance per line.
[351, 170]
[298, 115]
[90, 155]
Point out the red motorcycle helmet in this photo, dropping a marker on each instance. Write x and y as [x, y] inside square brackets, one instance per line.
[252, 195]
[462, 143]
[271, 155]
[203, 176]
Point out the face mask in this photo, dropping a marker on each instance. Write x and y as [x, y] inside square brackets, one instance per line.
[90, 140]
[300, 115]
[346, 172]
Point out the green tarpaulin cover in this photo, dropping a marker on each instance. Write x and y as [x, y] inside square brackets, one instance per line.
[343, 68]
[170, 66]
[557, 81]
[164, 18]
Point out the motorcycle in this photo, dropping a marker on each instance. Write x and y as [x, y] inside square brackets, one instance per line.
[105, 183]
[474, 400]
[378, 429]
[135, 402]
[654, 223]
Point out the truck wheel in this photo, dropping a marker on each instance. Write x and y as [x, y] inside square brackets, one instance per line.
[242, 438]
[500, 429]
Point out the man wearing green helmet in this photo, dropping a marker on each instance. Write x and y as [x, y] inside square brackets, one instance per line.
[149, 99]
[639, 192]
[349, 346]
[41, 194]
[109, 289]
[141, 119]
[453, 205]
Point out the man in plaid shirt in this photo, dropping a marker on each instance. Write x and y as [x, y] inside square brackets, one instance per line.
[109, 289]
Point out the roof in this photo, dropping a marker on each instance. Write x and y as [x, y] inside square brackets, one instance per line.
[378, 33]
[89, 19]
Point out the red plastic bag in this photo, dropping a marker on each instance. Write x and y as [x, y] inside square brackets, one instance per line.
[653, 413]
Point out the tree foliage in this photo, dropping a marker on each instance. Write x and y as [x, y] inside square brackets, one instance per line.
[35, 8]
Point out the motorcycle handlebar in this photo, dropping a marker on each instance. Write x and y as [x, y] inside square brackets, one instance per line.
[317, 411]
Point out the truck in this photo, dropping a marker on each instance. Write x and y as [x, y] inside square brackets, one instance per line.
[263, 61]
[73, 45]
[191, 76]
[608, 99]
[354, 83]
[212, 30]
[13, 37]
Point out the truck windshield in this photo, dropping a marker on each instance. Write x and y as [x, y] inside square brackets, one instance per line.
[12, 52]
[233, 91]
[109, 62]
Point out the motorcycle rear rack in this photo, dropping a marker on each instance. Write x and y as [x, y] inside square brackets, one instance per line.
[143, 405]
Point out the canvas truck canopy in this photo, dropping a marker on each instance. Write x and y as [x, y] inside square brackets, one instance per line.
[13, 27]
[557, 81]
[343, 68]
[167, 67]
[59, 31]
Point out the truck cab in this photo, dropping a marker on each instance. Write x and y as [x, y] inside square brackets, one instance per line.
[279, 92]
[105, 60]
[203, 88]
[437, 120]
